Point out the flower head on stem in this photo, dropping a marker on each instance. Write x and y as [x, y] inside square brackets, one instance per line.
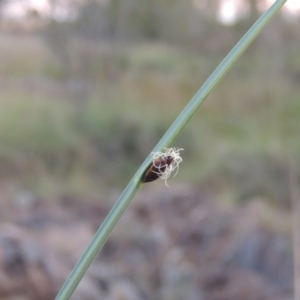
[163, 164]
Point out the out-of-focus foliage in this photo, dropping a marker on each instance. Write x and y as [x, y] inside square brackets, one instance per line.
[87, 97]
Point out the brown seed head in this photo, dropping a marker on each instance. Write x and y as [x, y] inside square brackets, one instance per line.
[158, 166]
[163, 164]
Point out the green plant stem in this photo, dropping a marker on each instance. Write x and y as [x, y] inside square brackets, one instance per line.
[172, 133]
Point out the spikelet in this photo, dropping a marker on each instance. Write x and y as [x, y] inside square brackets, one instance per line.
[164, 164]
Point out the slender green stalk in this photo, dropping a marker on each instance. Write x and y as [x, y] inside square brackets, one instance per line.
[172, 133]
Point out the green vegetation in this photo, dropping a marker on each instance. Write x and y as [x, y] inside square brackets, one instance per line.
[54, 143]
[168, 138]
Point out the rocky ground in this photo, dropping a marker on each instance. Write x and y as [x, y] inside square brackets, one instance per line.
[170, 244]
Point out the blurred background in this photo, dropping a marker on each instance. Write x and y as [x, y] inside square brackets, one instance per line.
[87, 89]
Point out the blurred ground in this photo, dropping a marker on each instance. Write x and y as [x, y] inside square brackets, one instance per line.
[84, 98]
[171, 244]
